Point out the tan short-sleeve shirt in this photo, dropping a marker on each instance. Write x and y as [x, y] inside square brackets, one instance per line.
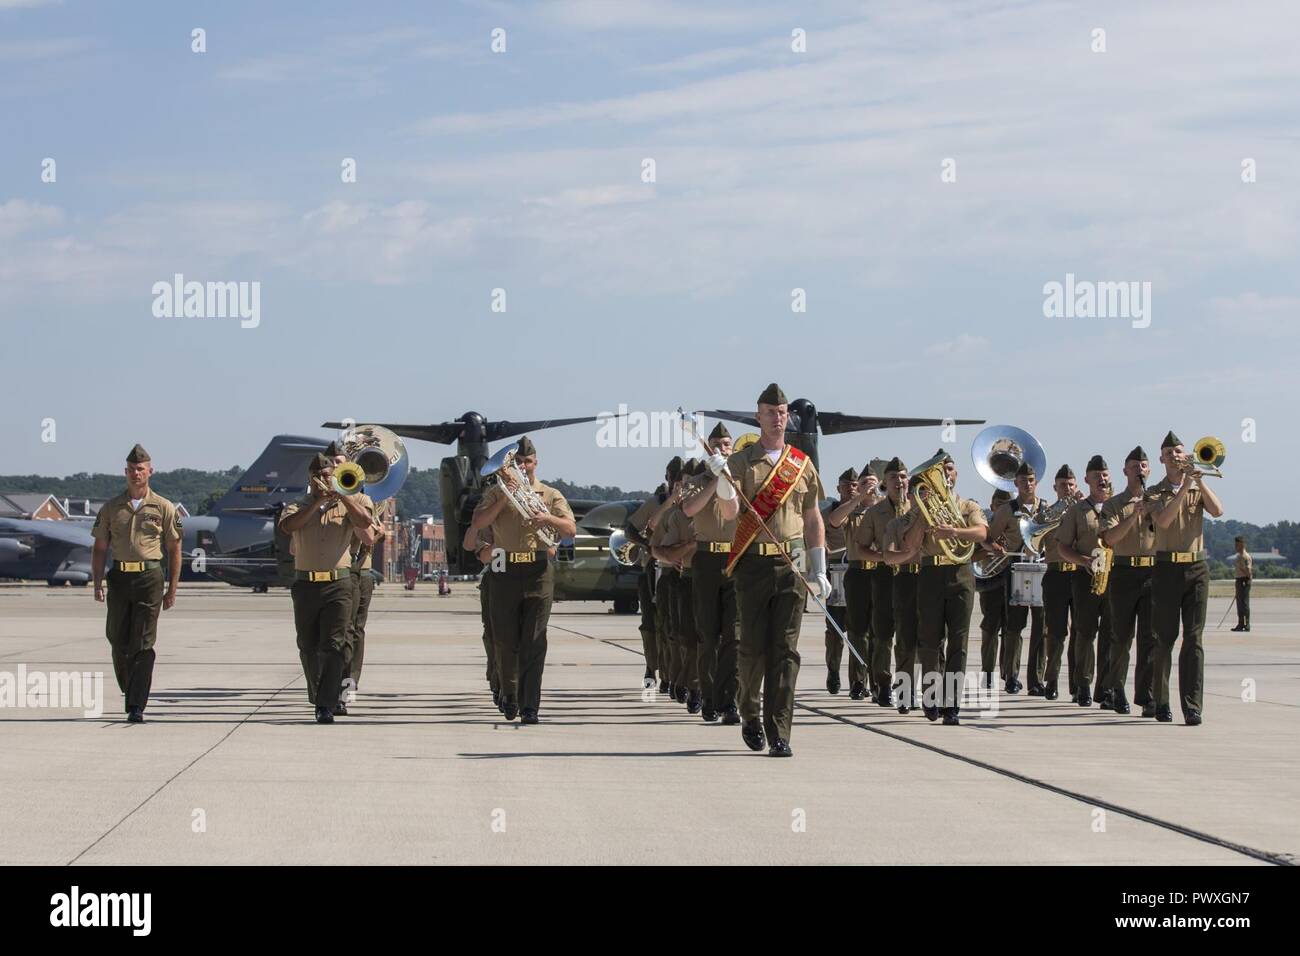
[324, 543]
[751, 466]
[137, 534]
[1140, 541]
[1245, 566]
[509, 531]
[677, 529]
[1185, 532]
[709, 523]
[367, 560]
[870, 534]
[1081, 527]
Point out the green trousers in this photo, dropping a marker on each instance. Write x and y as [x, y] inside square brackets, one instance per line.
[521, 596]
[1013, 640]
[354, 652]
[1178, 596]
[688, 638]
[771, 600]
[1058, 595]
[645, 596]
[945, 597]
[1130, 611]
[717, 622]
[1092, 623]
[993, 619]
[134, 599]
[903, 620]
[855, 618]
[489, 643]
[322, 615]
[666, 624]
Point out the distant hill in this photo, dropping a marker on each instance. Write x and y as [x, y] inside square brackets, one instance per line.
[197, 490]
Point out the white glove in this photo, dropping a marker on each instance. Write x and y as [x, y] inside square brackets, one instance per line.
[717, 464]
[725, 490]
[816, 573]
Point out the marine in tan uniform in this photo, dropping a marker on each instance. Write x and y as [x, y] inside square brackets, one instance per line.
[136, 527]
[1058, 595]
[1004, 537]
[676, 550]
[768, 591]
[1128, 530]
[1076, 540]
[945, 597]
[716, 617]
[842, 516]
[323, 527]
[893, 590]
[363, 589]
[524, 583]
[666, 609]
[993, 595]
[1243, 574]
[635, 529]
[1181, 585]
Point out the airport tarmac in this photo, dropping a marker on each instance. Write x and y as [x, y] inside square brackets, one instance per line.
[230, 767]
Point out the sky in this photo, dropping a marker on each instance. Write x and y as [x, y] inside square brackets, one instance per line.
[920, 170]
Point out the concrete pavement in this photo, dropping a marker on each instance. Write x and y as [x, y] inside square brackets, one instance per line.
[230, 767]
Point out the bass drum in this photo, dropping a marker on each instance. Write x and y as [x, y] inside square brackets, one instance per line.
[1027, 584]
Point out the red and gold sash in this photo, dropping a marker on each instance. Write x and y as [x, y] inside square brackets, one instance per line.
[785, 474]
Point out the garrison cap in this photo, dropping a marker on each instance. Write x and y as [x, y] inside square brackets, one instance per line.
[772, 395]
[1025, 470]
[675, 467]
[137, 455]
[318, 463]
[943, 453]
[332, 449]
[1097, 463]
[848, 475]
[691, 467]
[865, 472]
[526, 447]
[1001, 496]
[1171, 440]
[895, 464]
[1064, 472]
[661, 492]
[719, 431]
[1137, 454]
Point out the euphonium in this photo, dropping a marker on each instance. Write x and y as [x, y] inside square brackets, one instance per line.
[1034, 529]
[521, 497]
[623, 549]
[938, 506]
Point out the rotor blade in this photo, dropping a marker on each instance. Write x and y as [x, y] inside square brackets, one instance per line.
[503, 429]
[836, 423]
[443, 434]
[745, 418]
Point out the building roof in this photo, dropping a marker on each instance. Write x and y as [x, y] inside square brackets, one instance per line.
[24, 504]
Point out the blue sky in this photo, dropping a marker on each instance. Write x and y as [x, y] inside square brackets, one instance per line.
[775, 170]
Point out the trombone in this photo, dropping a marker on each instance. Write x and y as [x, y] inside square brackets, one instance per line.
[1207, 455]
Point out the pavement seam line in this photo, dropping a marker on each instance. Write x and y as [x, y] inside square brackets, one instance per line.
[252, 713]
[1265, 856]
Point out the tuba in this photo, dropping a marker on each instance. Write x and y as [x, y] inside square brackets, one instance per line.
[376, 462]
[998, 452]
[623, 549]
[1034, 530]
[522, 498]
[938, 506]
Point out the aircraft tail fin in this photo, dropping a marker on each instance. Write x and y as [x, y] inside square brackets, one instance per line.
[279, 474]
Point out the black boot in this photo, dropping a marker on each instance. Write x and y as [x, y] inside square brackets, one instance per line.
[709, 712]
[1049, 692]
[693, 702]
[751, 732]
[832, 682]
[857, 690]
[950, 716]
[1085, 697]
[1119, 701]
[1164, 714]
[730, 716]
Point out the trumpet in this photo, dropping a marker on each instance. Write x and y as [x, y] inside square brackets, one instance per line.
[938, 506]
[521, 497]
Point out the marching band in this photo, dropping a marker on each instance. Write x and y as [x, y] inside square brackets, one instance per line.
[732, 548]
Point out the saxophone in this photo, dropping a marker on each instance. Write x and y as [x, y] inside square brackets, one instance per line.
[1103, 558]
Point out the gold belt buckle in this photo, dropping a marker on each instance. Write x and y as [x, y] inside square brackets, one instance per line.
[518, 557]
[1181, 557]
[130, 565]
[719, 547]
[316, 576]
